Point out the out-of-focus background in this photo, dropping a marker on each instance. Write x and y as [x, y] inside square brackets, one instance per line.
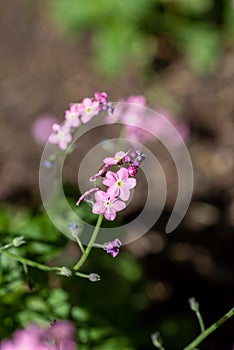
[179, 54]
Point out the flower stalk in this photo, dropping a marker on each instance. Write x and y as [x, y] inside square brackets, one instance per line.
[90, 245]
[209, 330]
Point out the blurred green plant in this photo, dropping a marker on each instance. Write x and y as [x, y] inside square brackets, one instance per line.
[34, 296]
[126, 31]
[204, 332]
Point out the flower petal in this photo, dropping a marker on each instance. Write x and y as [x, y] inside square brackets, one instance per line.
[124, 194]
[110, 214]
[112, 192]
[98, 208]
[130, 183]
[100, 196]
[122, 174]
[110, 161]
[118, 205]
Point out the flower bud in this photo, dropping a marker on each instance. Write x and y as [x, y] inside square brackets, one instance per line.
[74, 229]
[193, 304]
[132, 170]
[93, 277]
[64, 271]
[17, 241]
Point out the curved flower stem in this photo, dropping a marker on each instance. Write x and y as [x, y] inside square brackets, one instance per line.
[209, 330]
[90, 245]
[80, 244]
[200, 320]
[27, 262]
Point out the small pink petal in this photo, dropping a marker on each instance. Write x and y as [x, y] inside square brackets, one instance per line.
[110, 160]
[110, 214]
[100, 196]
[122, 174]
[120, 154]
[130, 183]
[112, 192]
[98, 208]
[118, 205]
[124, 194]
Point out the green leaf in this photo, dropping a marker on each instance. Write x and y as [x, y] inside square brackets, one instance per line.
[201, 44]
[80, 314]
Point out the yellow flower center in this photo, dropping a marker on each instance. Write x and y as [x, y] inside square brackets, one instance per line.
[119, 183]
[88, 109]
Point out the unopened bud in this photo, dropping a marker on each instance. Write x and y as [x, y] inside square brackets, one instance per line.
[17, 241]
[74, 229]
[94, 277]
[64, 271]
[193, 304]
[132, 170]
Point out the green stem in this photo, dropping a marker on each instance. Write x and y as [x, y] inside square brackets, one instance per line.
[209, 330]
[7, 246]
[83, 275]
[80, 244]
[90, 245]
[200, 320]
[30, 262]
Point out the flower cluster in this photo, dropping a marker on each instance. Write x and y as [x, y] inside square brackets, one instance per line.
[118, 184]
[79, 113]
[142, 124]
[60, 335]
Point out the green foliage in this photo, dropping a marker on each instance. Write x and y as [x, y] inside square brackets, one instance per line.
[124, 31]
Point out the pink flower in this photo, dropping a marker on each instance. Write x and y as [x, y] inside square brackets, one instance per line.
[59, 335]
[72, 116]
[101, 97]
[138, 100]
[60, 136]
[41, 128]
[107, 205]
[89, 109]
[119, 184]
[116, 159]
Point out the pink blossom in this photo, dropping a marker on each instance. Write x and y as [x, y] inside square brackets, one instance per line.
[119, 184]
[41, 128]
[89, 109]
[138, 100]
[107, 205]
[72, 116]
[101, 97]
[60, 136]
[116, 159]
[59, 335]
